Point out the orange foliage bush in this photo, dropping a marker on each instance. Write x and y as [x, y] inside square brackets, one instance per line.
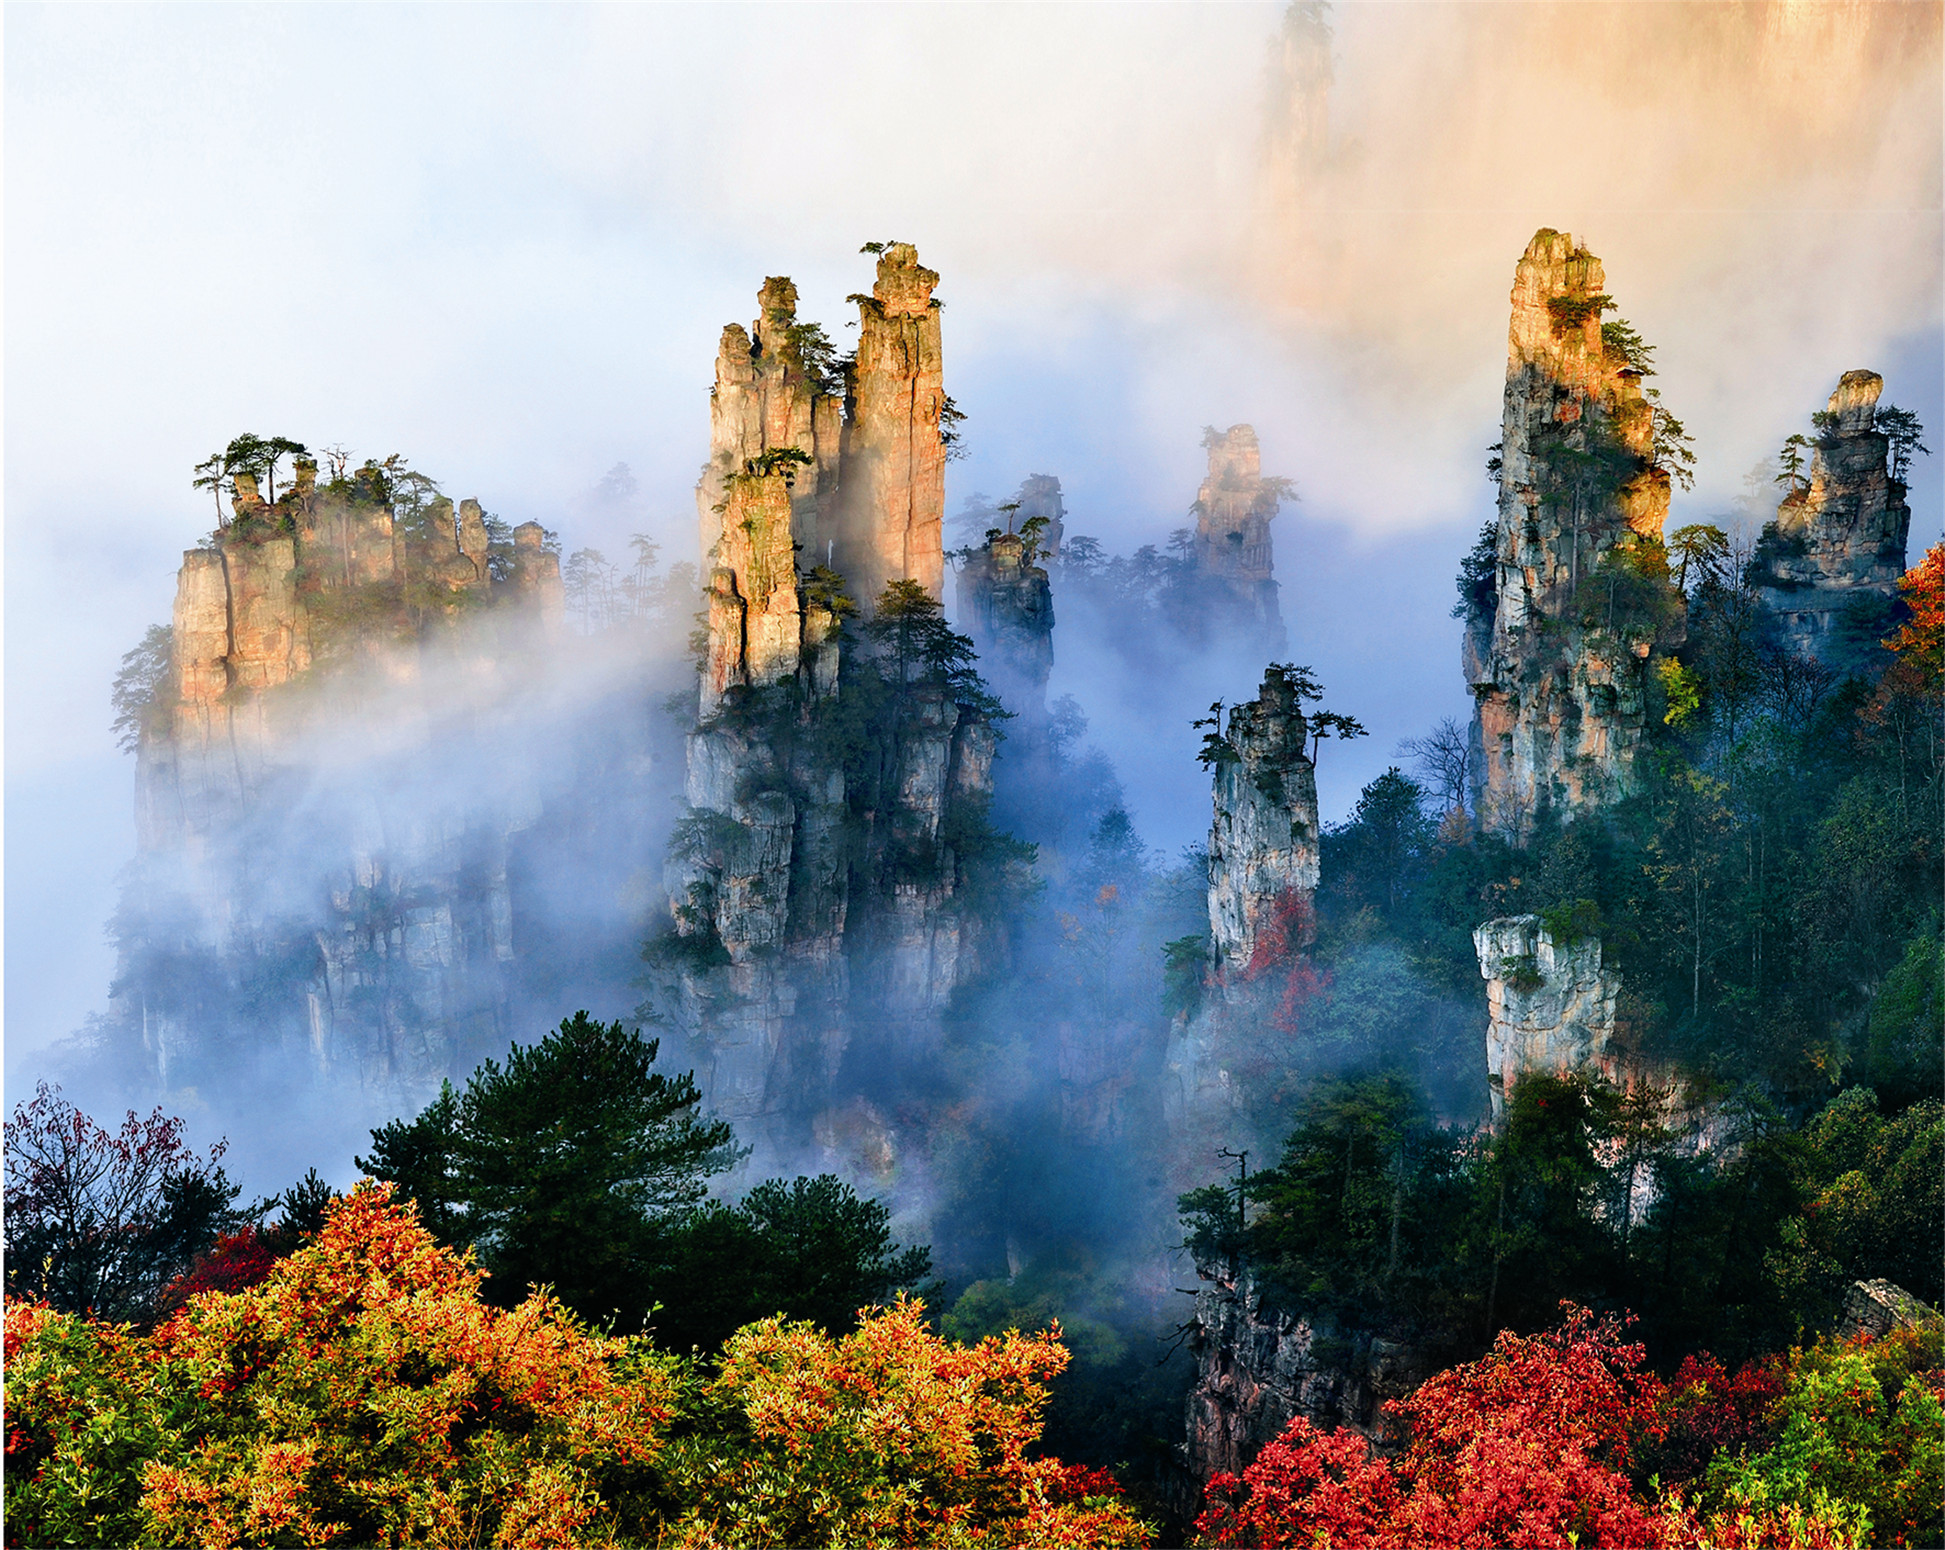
[887, 1437]
[362, 1394]
[1920, 641]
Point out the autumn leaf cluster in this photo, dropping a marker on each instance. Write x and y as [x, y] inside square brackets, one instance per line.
[1567, 1439]
[363, 1393]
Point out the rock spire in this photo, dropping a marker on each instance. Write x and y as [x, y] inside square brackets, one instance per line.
[814, 891]
[1233, 553]
[1581, 598]
[894, 452]
[1006, 604]
[1263, 838]
[1837, 544]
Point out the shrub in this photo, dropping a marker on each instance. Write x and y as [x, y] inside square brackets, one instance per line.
[363, 1394]
[886, 1437]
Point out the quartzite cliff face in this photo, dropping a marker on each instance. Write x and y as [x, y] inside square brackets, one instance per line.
[1263, 872]
[1837, 544]
[274, 907]
[893, 485]
[814, 883]
[1560, 682]
[1263, 839]
[1549, 1005]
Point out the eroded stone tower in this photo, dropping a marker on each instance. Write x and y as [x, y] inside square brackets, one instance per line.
[1234, 559]
[1837, 544]
[1559, 683]
[296, 891]
[814, 883]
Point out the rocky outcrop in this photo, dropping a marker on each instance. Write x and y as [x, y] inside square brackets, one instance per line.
[1263, 839]
[1234, 560]
[1262, 880]
[1837, 543]
[814, 889]
[768, 494]
[1039, 497]
[279, 902]
[1582, 597]
[1259, 1367]
[1877, 1308]
[1006, 605]
[1549, 1004]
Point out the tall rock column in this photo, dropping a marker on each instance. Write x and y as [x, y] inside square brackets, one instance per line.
[1838, 539]
[803, 890]
[894, 455]
[1560, 694]
[1263, 874]
[1263, 841]
[769, 398]
[1006, 604]
[1233, 512]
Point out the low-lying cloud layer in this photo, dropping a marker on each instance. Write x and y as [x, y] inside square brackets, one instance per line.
[504, 241]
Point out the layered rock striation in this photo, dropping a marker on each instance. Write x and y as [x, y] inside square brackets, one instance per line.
[1580, 597]
[840, 758]
[1838, 542]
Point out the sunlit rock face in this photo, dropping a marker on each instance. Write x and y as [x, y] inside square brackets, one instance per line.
[1838, 541]
[894, 454]
[300, 891]
[767, 498]
[1234, 557]
[1561, 685]
[1549, 1005]
[1263, 839]
[813, 889]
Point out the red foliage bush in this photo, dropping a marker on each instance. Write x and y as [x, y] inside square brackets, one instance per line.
[1307, 1488]
[1077, 1482]
[1282, 948]
[1524, 1447]
[239, 1261]
[1705, 1411]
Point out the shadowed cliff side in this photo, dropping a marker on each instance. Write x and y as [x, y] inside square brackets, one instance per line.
[1827, 566]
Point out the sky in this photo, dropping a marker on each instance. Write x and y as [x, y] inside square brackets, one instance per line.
[503, 240]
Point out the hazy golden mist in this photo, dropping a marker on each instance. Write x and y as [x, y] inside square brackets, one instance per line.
[1730, 151]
